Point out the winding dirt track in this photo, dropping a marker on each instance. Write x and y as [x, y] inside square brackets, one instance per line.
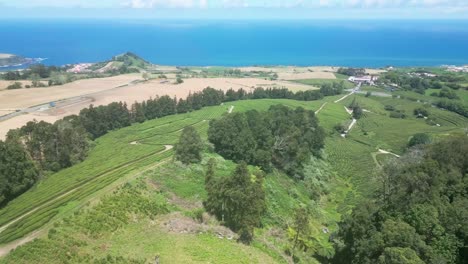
[6, 248]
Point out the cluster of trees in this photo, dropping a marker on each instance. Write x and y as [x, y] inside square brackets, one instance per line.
[281, 137]
[419, 214]
[419, 84]
[36, 70]
[352, 71]
[330, 89]
[446, 93]
[238, 201]
[396, 113]
[410, 83]
[458, 107]
[36, 149]
[17, 171]
[52, 146]
[56, 76]
[357, 109]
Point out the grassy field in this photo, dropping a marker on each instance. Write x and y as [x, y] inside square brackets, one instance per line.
[318, 82]
[141, 151]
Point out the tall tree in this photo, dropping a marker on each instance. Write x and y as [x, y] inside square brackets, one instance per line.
[238, 201]
[17, 171]
[190, 145]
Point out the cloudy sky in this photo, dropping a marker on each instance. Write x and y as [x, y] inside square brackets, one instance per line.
[237, 9]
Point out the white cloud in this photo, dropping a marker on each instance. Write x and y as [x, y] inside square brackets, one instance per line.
[203, 3]
[163, 3]
[427, 4]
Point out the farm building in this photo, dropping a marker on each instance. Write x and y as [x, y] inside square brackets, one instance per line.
[369, 79]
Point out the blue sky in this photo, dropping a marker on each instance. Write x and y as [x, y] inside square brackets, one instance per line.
[237, 9]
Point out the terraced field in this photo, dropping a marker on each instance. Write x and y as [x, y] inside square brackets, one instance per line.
[113, 157]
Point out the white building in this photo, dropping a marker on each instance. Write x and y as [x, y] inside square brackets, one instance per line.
[368, 79]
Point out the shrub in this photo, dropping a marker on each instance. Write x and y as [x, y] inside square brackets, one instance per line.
[389, 108]
[15, 85]
[420, 112]
[397, 114]
[419, 139]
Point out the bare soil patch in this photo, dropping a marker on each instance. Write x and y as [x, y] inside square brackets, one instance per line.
[180, 224]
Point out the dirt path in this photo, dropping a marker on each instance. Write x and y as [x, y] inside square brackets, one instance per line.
[4, 249]
[351, 125]
[320, 109]
[388, 152]
[356, 89]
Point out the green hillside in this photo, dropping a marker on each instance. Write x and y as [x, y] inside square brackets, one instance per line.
[123, 63]
[130, 201]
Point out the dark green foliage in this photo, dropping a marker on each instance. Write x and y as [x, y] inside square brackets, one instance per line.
[190, 145]
[281, 137]
[330, 89]
[421, 112]
[52, 147]
[15, 85]
[99, 120]
[352, 71]
[212, 96]
[340, 128]
[238, 201]
[397, 114]
[389, 108]
[458, 107]
[419, 139]
[357, 110]
[421, 212]
[33, 72]
[12, 76]
[446, 93]
[17, 171]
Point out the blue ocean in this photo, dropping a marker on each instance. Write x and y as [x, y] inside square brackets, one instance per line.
[359, 43]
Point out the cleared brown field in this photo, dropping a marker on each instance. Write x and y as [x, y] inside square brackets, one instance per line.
[22, 98]
[297, 73]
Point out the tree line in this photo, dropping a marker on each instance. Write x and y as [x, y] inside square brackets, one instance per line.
[419, 214]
